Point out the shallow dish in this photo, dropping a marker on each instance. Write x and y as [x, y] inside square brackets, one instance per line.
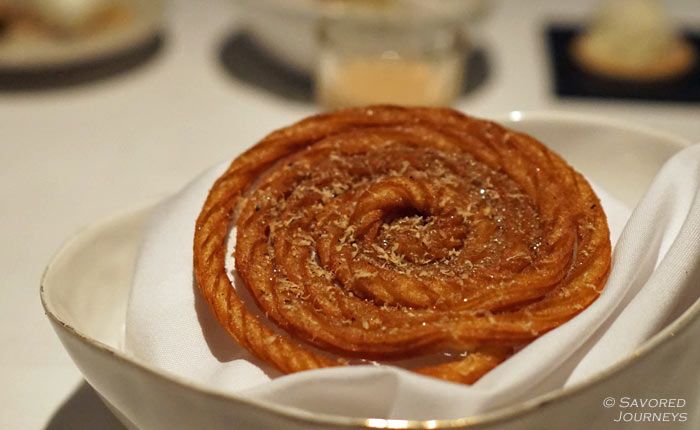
[86, 286]
[43, 52]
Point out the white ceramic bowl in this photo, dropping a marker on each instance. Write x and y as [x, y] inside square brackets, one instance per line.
[287, 29]
[38, 52]
[86, 286]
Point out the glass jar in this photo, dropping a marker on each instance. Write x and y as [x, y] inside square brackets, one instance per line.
[398, 52]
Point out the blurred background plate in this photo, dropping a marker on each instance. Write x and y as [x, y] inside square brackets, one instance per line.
[37, 51]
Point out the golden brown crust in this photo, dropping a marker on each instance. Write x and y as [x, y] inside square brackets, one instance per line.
[392, 233]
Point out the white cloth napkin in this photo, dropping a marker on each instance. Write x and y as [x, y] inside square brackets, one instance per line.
[170, 327]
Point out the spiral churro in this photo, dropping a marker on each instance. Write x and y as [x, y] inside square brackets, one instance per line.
[387, 233]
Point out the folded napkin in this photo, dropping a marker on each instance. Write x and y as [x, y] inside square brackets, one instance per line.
[169, 326]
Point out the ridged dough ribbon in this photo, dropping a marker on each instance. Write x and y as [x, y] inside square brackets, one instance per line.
[388, 233]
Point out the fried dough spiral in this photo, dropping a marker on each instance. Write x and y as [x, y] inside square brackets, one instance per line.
[388, 233]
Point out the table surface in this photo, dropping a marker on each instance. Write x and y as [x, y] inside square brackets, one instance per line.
[75, 155]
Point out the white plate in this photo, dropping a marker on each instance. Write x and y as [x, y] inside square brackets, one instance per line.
[86, 286]
[34, 52]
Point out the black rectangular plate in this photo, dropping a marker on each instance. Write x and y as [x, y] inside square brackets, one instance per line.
[572, 81]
